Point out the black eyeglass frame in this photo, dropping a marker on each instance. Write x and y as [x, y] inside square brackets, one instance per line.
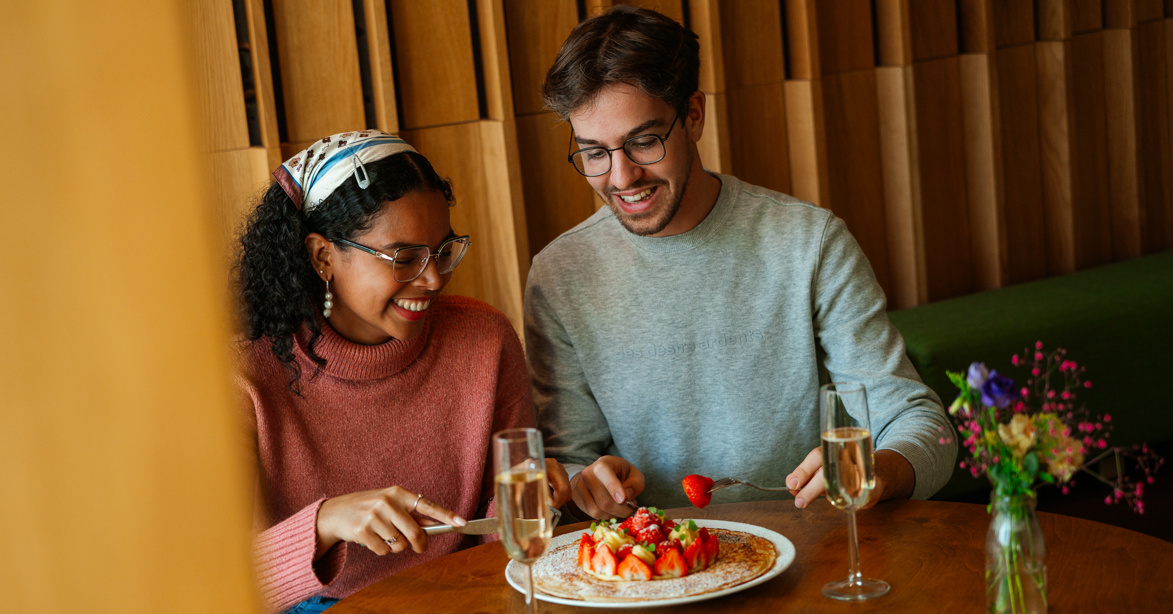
[610, 161]
[431, 255]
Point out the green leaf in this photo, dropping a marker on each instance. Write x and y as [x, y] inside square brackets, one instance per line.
[958, 380]
[691, 525]
[1030, 464]
[1046, 477]
[653, 510]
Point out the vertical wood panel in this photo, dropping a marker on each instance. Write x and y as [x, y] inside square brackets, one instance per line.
[1093, 216]
[754, 68]
[1055, 117]
[382, 71]
[844, 35]
[220, 91]
[902, 191]
[1120, 112]
[941, 146]
[983, 169]
[263, 78]
[536, 32]
[1013, 22]
[933, 29]
[491, 22]
[556, 197]
[1153, 131]
[855, 184]
[319, 70]
[437, 75]
[1018, 106]
[807, 139]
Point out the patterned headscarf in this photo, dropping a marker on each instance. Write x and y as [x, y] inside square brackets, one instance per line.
[312, 175]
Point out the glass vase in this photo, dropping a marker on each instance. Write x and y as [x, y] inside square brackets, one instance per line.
[1016, 573]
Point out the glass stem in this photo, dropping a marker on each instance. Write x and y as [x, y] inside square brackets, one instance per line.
[853, 576]
[530, 606]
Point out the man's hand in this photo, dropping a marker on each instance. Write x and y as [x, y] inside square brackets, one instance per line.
[602, 487]
[559, 483]
[895, 478]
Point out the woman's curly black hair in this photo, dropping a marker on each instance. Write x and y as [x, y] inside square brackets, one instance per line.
[278, 288]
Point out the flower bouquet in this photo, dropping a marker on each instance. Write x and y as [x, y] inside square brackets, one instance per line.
[1025, 436]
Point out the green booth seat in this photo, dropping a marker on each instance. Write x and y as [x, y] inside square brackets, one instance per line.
[1116, 320]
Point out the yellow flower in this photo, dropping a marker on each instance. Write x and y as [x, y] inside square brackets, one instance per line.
[1019, 435]
[1065, 459]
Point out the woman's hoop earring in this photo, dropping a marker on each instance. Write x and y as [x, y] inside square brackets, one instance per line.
[328, 304]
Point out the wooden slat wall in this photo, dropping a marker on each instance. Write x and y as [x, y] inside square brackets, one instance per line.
[968, 145]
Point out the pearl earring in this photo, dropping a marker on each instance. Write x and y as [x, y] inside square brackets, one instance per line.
[328, 304]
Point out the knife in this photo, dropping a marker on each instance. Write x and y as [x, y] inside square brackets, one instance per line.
[484, 526]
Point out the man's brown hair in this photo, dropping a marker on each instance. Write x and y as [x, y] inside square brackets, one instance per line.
[629, 45]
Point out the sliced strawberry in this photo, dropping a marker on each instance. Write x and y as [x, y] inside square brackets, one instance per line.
[633, 568]
[604, 561]
[697, 489]
[668, 524]
[640, 519]
[711, 545]
[696, 555]
[624, 550]
[671, 565]
[586, 547]
[666, 545]
[625, 526]
[651, 534]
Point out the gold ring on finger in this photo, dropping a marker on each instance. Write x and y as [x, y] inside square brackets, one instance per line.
[417, 502]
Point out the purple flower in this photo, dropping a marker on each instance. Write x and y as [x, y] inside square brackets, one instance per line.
[998, 390]
[977, 375]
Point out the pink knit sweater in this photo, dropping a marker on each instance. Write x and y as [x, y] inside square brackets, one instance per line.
[416, 413]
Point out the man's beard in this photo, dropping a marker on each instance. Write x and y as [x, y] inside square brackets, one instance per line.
[632, 222]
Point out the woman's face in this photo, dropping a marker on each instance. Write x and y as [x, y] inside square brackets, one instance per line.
[370, 307]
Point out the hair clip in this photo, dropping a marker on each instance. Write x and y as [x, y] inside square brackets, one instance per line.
[363, 179]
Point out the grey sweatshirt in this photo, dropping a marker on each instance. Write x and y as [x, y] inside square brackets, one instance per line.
[703, 352]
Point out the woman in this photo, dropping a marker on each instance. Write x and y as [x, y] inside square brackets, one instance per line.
[373, 395]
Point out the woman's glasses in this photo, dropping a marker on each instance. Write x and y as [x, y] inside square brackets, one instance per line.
[409, 262]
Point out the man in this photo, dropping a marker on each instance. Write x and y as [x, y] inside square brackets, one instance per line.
[686, 326]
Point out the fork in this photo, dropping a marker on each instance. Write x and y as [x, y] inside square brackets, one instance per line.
[727, 482]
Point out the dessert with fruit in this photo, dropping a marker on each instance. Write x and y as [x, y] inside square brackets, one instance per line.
[646, 546]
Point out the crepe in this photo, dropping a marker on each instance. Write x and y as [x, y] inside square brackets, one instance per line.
[742, 558]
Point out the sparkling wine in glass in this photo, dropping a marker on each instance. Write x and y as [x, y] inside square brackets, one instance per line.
[523, 500]
[850, 474]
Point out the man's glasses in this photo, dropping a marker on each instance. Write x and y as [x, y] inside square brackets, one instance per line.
[409, 262]
[642, 149]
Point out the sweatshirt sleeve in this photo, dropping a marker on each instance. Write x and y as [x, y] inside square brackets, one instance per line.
[286, 570]
[575, 430]
[284, 553]
[860, 344]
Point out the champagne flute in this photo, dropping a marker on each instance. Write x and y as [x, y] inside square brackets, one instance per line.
[523, 500]
[849, 474]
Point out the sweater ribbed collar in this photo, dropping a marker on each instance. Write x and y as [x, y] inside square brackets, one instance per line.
[704, 231]
[354, 361]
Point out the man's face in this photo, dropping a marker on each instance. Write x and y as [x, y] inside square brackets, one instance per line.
[645, 198]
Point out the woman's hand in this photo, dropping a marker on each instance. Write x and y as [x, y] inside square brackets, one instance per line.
[381, 520]
[559, 482]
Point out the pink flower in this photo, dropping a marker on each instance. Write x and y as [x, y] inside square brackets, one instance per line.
[1038, 345]
[1107, 417]
[1087, 384]
[1108, 500]
[1034, 371]
[1014, 360]
[1101, 444]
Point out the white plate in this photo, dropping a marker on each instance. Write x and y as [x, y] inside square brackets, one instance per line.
[515, 573]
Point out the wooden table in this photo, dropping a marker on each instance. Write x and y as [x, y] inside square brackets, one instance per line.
[931, 552]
